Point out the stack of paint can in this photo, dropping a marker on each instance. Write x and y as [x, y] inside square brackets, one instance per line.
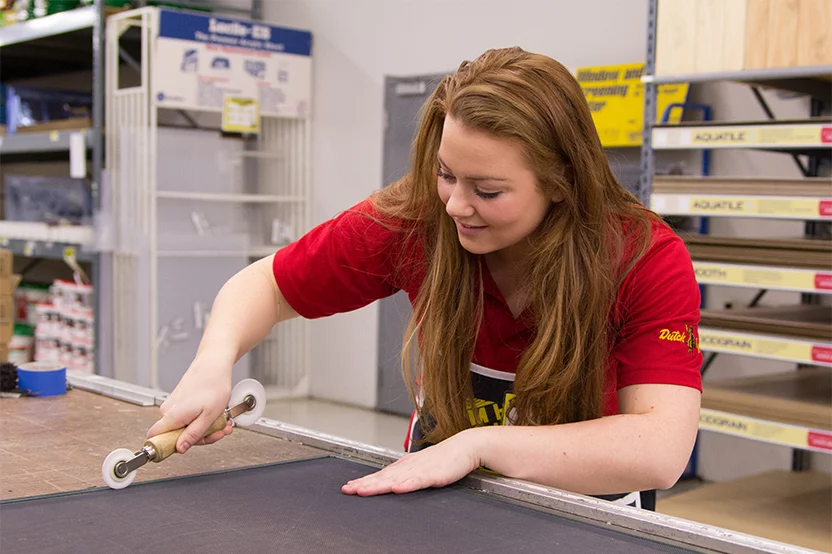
[66, 327]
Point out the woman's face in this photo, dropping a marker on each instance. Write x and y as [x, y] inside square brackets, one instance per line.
[487, 189]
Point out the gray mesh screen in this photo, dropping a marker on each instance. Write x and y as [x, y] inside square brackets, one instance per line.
[292, 507]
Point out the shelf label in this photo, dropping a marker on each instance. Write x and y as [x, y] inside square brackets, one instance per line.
[769, 431]
[820, 440]
[793, 207]
[720, 136]
[763, 277]
[747, 206]
[77, 156]
[822, 354]
[728, 136]
[792, 350]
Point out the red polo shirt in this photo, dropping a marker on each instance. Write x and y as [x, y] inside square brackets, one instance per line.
[351, 261]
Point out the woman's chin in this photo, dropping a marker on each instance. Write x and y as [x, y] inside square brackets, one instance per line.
[474, 246]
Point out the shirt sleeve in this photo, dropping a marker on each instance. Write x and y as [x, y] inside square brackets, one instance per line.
[658, 336]
[341, 265]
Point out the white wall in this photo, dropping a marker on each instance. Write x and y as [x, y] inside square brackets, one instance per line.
[357, 43]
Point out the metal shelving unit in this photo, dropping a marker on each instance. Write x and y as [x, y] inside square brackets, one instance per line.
[59, 43]
[808, 200]
[805, 79]
[184, 222]
[56, 24]
[55, 142]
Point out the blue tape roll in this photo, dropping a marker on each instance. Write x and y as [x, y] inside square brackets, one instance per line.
[42, 378]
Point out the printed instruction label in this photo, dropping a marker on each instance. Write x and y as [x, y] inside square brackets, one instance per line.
[202, 59]
[241, 115]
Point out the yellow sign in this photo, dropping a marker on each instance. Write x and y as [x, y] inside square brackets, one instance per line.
[615, 95]
[762, 430]
[784, 278]
[240, 115]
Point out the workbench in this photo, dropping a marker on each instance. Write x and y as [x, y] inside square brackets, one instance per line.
[273, 487]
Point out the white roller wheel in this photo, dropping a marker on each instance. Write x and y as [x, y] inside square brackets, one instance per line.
[243, 389]
[108, 469]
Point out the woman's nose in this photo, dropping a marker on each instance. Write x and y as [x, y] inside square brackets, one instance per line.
[458, 205]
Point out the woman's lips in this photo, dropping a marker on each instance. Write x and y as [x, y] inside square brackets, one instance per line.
[469, 230]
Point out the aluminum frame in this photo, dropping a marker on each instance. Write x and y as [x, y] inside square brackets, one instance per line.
[590, 510]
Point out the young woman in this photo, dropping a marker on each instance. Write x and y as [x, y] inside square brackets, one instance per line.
[555, 317]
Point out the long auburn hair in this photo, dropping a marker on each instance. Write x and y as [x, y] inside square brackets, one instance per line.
[580, 253]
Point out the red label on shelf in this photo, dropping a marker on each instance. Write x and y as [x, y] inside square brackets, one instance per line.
[823, 281]
[822, 354]
[826, 134]
[820, 440]
[825, 208]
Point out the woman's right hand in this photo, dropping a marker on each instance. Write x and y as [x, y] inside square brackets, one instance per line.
[198, 399]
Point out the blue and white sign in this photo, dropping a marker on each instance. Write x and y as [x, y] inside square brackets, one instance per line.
[203, 58]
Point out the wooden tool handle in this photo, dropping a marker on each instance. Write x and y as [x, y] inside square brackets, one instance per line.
[165, 444]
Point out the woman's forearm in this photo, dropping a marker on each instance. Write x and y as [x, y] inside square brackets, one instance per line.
[616, 454]
[243, 314]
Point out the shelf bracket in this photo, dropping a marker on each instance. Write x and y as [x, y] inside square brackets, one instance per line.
[129, 60]
[189, 119]
[770, 114]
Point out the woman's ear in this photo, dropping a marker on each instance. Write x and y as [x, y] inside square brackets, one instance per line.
[569, 179]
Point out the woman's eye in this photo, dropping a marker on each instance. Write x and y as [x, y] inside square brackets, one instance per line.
[445, 176]
[486, 195]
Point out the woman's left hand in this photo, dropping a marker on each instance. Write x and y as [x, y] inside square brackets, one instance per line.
[436, 466]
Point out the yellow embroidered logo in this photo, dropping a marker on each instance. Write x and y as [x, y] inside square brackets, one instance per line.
[688, 337]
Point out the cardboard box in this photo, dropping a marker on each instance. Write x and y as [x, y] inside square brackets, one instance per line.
[6, 318]
[8, 284]
[6, 262]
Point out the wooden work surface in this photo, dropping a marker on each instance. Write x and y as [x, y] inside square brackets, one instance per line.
[57, 444]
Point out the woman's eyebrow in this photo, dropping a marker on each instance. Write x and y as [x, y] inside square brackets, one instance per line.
[472, 178]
